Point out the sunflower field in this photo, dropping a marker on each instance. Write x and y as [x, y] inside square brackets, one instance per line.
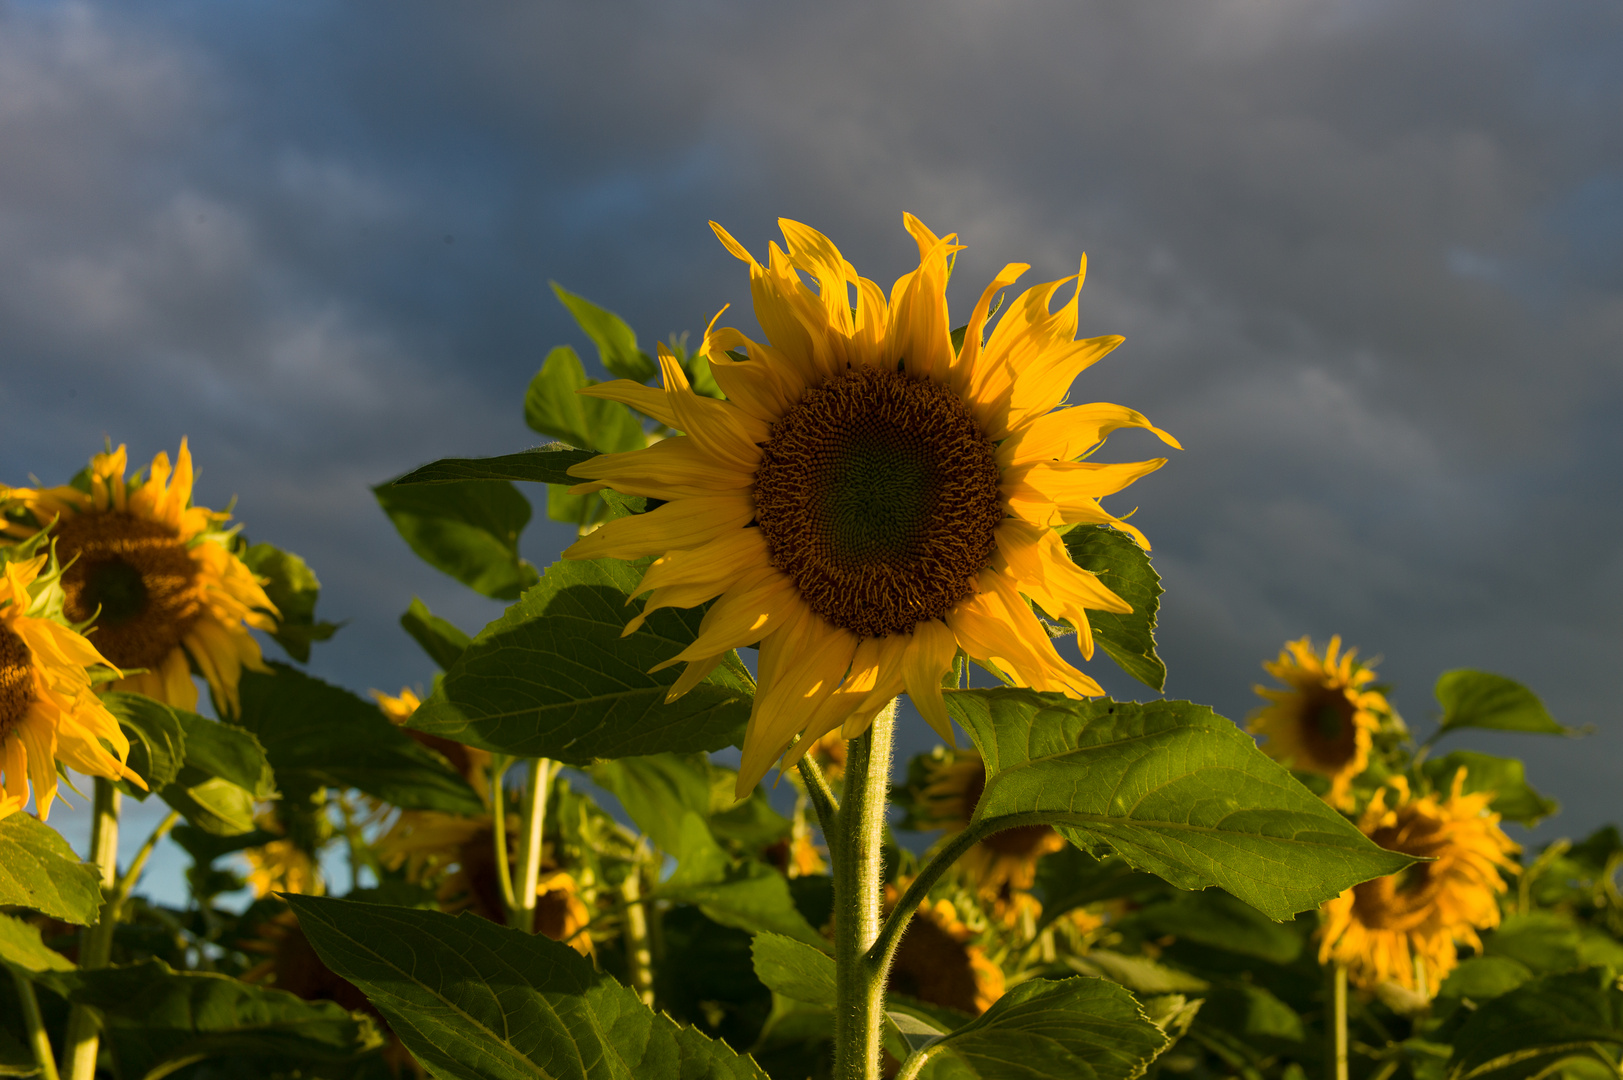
[778, 540]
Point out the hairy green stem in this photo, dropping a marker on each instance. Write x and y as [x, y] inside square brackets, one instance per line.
[639, 950]
[498, 829]
[96, 944]
[38, 1040]
[884, 946]
[822, 799]
[529, 864]
[859, 981]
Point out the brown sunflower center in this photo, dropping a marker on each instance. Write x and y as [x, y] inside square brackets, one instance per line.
[16, 683]
[139, 575]
[878, 496]
[1403, 900]
[1329, 731]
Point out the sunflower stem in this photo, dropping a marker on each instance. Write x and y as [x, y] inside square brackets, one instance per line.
[639, 950]
[84, 1029]
[498, 831]
[38, 1039]
[884, 946]
[822, 799]
[859, 984]
[1338, 1024]
[529, 866]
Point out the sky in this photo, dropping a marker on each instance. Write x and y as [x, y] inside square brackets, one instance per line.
[1367, 256]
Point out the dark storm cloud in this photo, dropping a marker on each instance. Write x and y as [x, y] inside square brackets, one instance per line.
[1367, 257]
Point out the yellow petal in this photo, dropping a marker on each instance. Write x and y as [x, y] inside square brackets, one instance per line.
[669, 469]
[1024, 333]
[684, 523]
[724, 431]
[765, 386]
[920, 329]
[1045, 381]
[816, 254]
[648, 400]
[1068, 434]
[693, 675]
[996, 625]
[967, 376]
[799, 666]
[757, 605]
[928, 658]
[689, 578]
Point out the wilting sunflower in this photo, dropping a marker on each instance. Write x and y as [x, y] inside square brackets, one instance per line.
[156, 574]
[1324, 721]
[456, 854]
[1003, 864]
[870, 499]
[1404, 928]
[935, 961]
[48, 712]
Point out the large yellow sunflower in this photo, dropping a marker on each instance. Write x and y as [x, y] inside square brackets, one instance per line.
[48, 712]
[1404, 928]
[1004, 865]
[1324, 721]
[157, 576]
[869, 499]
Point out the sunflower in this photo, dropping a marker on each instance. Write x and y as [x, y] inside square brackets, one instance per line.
[935, 961]
[829, 753]
[1325, 720]
[458, 854]
[48, 712]
[870, 499]
[1404, 928]
[1005, 863]
[157, 576]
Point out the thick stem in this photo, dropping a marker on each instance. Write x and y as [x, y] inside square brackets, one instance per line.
[84, 1030]
[529, 863]
[639, 950]
[38, 1040]
[859, 982]
[1338, 1010]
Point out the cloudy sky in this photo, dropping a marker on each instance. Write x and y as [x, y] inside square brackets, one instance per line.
[1368, 257]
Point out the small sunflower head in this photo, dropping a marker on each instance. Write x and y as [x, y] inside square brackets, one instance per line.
[1404, 928]
[938, 961]
[1324, 719]
[1005, 863]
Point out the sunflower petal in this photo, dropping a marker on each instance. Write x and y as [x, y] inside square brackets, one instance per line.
[684, 523]
[806, 661]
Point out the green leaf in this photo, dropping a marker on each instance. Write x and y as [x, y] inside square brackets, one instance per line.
[1124, 568]
[1525, 1031]
[22, 948]
[1482, 978]
[746, 894]
[553, 677]
[38, 870]
[1513, 798]
[157, 740]
[553, 407]
[474, 1000]
[1046, 1028]
[1542, 940]
[161, 1019]
[657, 791]
[293, 588]
[228, 752]
[1484, 700]
[1251, 1012]
[545, 465]
[1139, 974]
[204, 847]
[616, 342]
[316, 735]
[468, 530]
[1171, 787]
[1071, 877]
[214, 805]
[1218, 920]
[16, 1059]
[794, 969]
[441, 640]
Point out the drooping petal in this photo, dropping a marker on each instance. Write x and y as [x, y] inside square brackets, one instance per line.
[928, 658]
[689, 578]
[798, 666]
[1037, 561]
[1068, 434]
[996, 625]
[648, 400]
[757, 605]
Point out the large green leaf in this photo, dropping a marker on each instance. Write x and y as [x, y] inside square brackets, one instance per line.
[553, 407]
[1527, 1030]
[162, 1019]
[545, 465]
[157, 740]
[39, 870]
[1506, 778]
[468, 530]
[22, 948]
[1047, 1028]
[16, 1059]
[616, 342]
[474, 1000]
[441, 640]
[294, 589]
[744, 893]
[657, 790]
[794, 969]
[1124, 568]
[226, 752]
[1171, 787]
[1216, 919]
[553, 677]
[316, 735]
[1485, 700]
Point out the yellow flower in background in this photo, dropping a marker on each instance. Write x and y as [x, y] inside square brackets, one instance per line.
[472, 762]
[870, 499]
[399, 708]
[282, 866]
[936, 962]
[155, 573]
[48, 711]
[1324, 720]
[1003, 863]
[1405, 928]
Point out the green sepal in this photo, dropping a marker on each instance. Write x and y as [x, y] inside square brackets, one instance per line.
[554, 678]
[38, 870]
[1123, 568]
[477, 1001]
[1171, 787]
[468, 530]
[294, 589]
[441, 640]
